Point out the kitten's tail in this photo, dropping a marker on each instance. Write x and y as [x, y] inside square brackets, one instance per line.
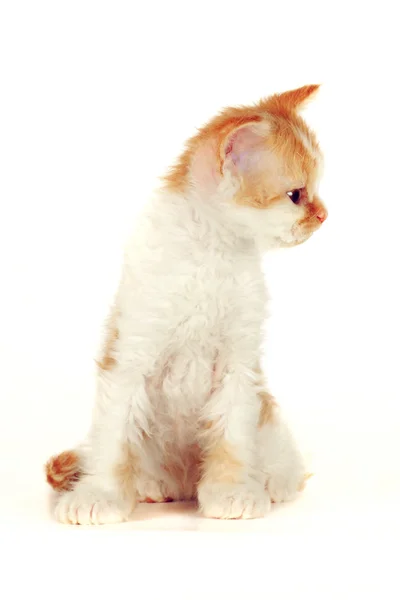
[64, 470]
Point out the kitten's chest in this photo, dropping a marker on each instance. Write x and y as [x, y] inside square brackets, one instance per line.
[222, 294]
[224, 303]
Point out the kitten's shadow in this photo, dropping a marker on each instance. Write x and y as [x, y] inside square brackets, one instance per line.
[170, 516]
[145, 511]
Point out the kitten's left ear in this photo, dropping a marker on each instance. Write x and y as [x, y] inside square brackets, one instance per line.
[241, 147]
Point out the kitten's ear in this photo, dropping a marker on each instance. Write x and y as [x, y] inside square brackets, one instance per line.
[240, 150]
[293, 100]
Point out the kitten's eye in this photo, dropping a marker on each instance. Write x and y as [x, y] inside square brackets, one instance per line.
[295, 196]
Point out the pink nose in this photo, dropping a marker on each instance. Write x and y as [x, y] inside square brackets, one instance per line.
[322, 215]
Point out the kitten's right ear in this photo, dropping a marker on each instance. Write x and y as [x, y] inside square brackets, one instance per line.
[293, 100]
[240, 149]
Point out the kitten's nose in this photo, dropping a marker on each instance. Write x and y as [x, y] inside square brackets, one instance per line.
[322, 215]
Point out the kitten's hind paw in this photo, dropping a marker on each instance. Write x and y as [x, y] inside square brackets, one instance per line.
[286, 489]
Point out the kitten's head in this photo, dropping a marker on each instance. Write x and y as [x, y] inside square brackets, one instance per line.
[262, 161]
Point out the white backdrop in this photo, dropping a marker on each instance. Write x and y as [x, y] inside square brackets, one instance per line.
[96, 100]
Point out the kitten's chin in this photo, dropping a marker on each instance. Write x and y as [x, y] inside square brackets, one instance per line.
[276, 243]
[296, 242]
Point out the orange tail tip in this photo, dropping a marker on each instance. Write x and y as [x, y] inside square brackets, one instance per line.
[63, 471]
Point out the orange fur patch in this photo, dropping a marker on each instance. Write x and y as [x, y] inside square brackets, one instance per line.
[107, 360]
[267, 408]
[221, 465]
[63, 471]
[183, 467]
[267, 401]
[126, 473]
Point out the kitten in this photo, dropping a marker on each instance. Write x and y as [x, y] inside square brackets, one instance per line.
[182, 410]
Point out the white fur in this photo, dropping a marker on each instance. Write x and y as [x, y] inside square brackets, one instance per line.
[189, 311]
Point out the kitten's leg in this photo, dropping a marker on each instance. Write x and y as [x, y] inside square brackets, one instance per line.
[283, 464]
[232, 484]
[106, 488]
[154, 483]
[109, 462]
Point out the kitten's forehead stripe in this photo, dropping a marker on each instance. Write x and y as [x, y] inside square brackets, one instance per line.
[307, 143]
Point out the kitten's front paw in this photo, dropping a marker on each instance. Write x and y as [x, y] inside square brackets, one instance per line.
[89, 506]
[233, 501]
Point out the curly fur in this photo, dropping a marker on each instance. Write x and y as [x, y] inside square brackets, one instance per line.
[181, 408]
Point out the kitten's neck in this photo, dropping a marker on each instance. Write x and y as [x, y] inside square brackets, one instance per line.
[209, 220]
